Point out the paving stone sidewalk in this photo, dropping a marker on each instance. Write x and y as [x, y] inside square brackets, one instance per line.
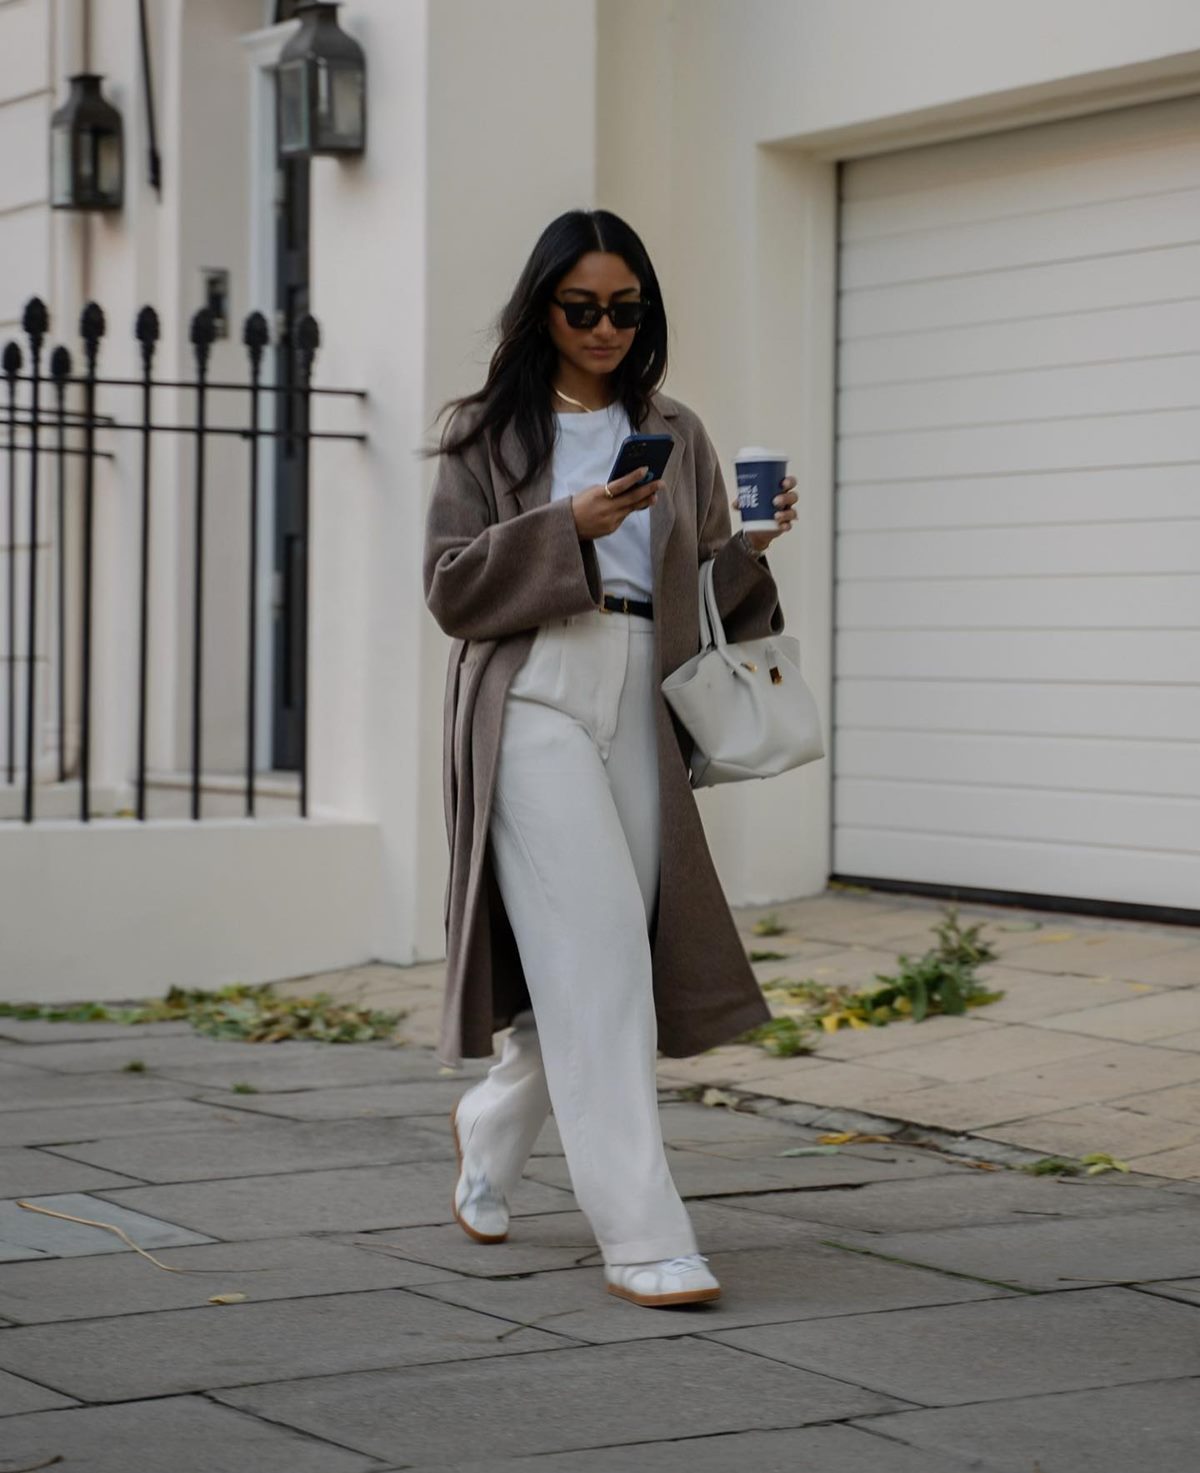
[911, 1305]
[1095, 1045]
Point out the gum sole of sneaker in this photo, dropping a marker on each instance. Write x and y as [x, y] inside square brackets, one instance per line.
[660, 1301]
[466, 1226]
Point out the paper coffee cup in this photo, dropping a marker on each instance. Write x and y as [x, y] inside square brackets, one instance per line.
[759, 472]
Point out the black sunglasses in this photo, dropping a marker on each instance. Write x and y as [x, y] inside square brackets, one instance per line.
[588, 314]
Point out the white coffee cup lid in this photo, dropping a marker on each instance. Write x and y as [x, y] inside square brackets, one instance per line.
[758, 452]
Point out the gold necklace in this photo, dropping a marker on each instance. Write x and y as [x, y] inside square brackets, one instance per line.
[587, 409]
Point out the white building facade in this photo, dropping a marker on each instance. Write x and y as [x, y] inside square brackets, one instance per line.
[948, 256]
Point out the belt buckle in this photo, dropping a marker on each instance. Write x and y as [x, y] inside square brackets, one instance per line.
[624, 605]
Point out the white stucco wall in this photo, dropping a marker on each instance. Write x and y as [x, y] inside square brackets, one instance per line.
[714, 128]
[719, 128]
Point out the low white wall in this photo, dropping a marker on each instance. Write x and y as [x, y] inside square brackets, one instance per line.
[115, 909]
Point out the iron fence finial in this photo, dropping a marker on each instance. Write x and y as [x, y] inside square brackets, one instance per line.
[35, 321]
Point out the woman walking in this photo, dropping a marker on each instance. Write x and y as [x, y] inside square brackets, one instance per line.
[583, 911]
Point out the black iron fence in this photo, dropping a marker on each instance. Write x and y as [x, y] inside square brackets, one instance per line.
[55, 433]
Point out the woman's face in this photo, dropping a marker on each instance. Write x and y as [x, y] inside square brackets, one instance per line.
[603, 278]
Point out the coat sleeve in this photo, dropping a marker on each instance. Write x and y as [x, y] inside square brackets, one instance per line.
[487, 579]
[747, 597]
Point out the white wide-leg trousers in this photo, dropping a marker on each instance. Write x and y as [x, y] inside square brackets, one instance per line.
[575, 846]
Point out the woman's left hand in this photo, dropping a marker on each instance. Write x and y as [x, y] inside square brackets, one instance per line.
[785, 515]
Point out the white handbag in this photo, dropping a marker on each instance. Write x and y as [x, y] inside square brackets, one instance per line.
[746, 706]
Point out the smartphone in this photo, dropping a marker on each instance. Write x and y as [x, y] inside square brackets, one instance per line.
[649, 450]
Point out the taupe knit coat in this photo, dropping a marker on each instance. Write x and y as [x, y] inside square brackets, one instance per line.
[497, 564]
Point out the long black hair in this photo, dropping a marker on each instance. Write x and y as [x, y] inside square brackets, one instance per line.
[520, 375]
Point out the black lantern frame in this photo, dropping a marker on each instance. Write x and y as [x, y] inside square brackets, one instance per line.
[87, 149]
[321, 87]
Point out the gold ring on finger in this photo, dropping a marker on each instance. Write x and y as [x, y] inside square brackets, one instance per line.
[609, 494]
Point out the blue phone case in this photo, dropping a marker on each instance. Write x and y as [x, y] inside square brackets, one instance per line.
[652, 451]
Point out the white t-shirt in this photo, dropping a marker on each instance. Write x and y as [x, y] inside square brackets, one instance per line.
[584, 450]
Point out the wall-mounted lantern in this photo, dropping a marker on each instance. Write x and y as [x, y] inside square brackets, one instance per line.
[321, 81]
[87, 167]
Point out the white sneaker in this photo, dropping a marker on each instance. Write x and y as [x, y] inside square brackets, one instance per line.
[669, 1281]
[480, 1209]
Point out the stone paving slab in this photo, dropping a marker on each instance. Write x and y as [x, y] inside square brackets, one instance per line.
[964, 1105]
[1183, 1163]
[1057, 1254]
[562, 1240]
[432, 1097]
[994, 1049]
[39, 1089]
[26, 1172]
[1187, 1290]
[763, 1286]
[156, 1354]
[89, 1123]
[1154, 1426]
[578, 1398]
[959, 1200]
[50, 1291]
[41, 1030]
[335, 1065]
[20, 1228]
[1157, 1017]
[850, 1165]
[188, 1434]
[1031, 996]
[1179, 1102]
[702, 1173]
[1123, 1133]
[993, 1349]
[351, 1199]
[14, 1074]
[1188, 1041]
[837, 1449]
[1112, 952]
[171, 1053]
[265, 1147]
[854, 1045]
[18, 1395]
[1105, 1073]
[830, 1082]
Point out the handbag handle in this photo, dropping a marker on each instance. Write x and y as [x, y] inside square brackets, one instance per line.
[712, 630]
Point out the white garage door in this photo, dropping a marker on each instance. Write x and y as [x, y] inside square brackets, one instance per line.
[1018, 568]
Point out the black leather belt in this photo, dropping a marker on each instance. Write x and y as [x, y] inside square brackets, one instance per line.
[614, 605]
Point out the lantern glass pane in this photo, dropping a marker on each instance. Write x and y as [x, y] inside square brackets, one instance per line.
[340, 103]
[294, 127]
[108, 165]
[62, 181]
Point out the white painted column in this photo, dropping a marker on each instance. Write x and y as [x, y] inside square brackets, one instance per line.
[415, 249]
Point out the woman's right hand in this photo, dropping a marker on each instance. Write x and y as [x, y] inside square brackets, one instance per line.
[597, 515]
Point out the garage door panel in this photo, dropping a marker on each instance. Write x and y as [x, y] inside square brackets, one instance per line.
[1000, 552]
[1022, 153]
[1119, 439]
[1165, 274]
[1017, 558]
[1131, 657]
[1146, 384]
[1022, 866]
[1060, 817]
[1063, 183]
[1117, 334]
[1025, 240]
[1168, 601]
[1156, 769]
[1021, 707]
[1117, 494]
